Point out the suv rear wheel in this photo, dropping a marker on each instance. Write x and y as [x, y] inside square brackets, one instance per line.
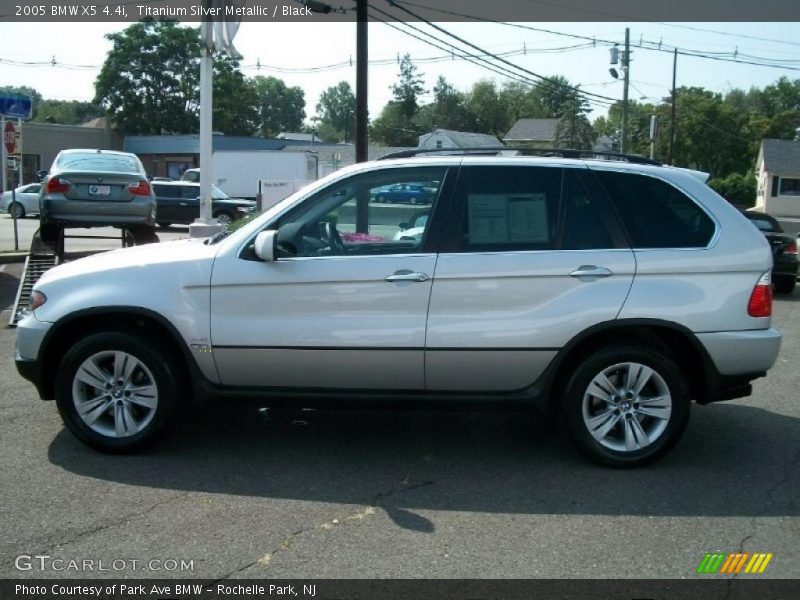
[115, 392]
[626, 406]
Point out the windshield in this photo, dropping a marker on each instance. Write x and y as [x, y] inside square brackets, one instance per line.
[95, 161]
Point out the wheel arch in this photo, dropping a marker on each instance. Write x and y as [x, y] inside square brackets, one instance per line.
[669, 337]
[128, 319]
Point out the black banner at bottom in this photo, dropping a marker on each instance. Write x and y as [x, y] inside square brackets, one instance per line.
[402, 589]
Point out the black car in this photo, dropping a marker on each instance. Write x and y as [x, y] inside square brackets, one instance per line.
[179, 202]
[784, 251]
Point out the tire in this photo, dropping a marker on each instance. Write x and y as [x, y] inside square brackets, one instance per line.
[119, 425]
[224, 218]
[785, 285]
[380, 199]
[17, 208]
[143, 235]
[163, 225]
[617, 444]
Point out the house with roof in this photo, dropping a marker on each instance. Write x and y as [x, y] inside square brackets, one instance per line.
[778, 178]
[446, 138]
[532, 133]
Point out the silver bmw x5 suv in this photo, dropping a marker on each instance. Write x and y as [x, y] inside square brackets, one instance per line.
[617, 292]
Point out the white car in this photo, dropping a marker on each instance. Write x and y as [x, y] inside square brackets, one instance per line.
[26, 201]
[616, 292]
[414, 228]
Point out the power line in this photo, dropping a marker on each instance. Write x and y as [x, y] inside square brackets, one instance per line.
[479, 49]
[463, 54]
[729, 34]
[652, 46]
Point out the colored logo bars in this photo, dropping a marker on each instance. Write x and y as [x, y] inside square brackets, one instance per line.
[734, 562]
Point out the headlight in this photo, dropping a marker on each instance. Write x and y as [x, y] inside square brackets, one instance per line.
[37, 299]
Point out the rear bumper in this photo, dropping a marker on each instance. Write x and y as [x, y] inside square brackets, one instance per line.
[737, 357]
[81, 213]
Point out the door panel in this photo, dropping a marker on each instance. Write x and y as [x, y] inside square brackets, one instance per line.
[344, 305]
[532, 259]
[505, 315]
[320, 322]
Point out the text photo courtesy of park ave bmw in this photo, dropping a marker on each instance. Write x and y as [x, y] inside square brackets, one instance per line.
[399, 299]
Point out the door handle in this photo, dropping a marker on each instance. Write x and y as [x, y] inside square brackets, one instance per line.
[406, 275]
[591, 271]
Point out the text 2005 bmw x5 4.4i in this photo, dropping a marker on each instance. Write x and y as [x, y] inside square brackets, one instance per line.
[616, 291]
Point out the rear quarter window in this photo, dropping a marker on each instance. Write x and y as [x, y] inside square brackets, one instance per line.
[655, 213]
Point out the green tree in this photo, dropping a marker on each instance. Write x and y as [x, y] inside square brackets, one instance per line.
[149, 83]
[573, 129]
[711, 135]
[235, 98]
[280, 107]
[336, 113]
[67, 112]
[447, 111]
[552, 95]
[737, 188]
[393, 128]
[149, 80]
[488, 109]
[408, 89]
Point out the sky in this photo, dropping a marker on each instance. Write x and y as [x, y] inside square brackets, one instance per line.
[316, 56]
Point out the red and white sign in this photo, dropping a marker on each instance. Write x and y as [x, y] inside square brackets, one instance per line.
[10, 137]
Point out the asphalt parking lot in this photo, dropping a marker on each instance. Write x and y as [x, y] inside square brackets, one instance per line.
[366, 494]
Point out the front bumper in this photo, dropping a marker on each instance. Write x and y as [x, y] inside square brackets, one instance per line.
[30, 335]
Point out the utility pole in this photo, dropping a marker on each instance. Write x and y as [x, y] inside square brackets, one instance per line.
[626, 61]
[362, 56]
[672, 108]
[204, 226]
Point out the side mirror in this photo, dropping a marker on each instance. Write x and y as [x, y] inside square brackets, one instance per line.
[264, 245]
[403, 226]
[41, 174]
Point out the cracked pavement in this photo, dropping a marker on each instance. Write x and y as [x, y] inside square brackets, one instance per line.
[421, 494]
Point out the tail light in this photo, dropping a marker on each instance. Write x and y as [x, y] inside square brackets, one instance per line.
[57, 186]
[760, 304]
[141, 188]
[791, 248]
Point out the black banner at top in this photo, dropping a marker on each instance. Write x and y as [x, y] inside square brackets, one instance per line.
[399, 10]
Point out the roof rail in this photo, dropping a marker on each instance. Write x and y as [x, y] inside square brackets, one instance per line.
[562, 152]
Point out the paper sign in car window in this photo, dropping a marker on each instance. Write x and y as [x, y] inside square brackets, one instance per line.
[527, 218]
[488, 218]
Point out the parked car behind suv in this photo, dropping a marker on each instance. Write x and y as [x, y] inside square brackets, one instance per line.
[97, 188]
[784, 251]
[179, 202]
[616, 292]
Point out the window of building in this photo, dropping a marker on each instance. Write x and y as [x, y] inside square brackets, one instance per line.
[790, 186]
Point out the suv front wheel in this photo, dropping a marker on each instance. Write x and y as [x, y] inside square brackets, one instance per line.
[115, 392]
[626, 406]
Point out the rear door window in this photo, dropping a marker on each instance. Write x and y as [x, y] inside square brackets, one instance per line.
[655, 213]
[508, 209]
